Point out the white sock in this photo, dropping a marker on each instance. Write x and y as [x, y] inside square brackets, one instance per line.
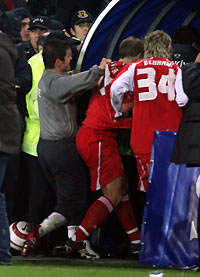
[135, 241]
[71, 232]
[52, 222]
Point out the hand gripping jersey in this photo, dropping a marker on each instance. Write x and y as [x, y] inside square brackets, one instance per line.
[154, 83]
[100, 114]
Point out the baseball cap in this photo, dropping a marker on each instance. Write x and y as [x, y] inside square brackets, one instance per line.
[19, 13]
[81, 16]
[57, 25]
[41, 22]
[63, 36]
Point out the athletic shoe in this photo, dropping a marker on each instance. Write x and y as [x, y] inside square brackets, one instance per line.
[135, 247]
[32, 240]
[90, 250]
[196, 268]
[82, 248]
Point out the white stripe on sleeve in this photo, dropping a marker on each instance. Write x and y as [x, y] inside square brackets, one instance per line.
[181, 97]
[120, 86]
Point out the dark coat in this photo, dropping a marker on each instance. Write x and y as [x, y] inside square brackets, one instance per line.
[10, 123]
[27, 48]
[23, 78]
[187, 145]
[183, 54]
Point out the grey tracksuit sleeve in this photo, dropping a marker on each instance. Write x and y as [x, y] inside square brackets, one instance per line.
[57, 109]
[63, 87]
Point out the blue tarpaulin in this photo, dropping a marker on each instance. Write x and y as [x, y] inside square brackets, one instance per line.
[169, 229]
[123, 18]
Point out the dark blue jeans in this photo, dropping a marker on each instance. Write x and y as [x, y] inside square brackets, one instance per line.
[5, 256]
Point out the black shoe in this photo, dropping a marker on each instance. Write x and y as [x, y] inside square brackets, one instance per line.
[82, 248]
[135, 247]
[196, 268]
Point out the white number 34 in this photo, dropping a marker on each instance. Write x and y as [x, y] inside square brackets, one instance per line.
[165, 85]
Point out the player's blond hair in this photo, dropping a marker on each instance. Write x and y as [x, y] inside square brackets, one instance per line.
[157, 44]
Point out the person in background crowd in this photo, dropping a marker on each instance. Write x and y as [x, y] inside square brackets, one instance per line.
[11, 23]
[38, 26]
[22, 82]
[80, 24]
[187, 145]
[66, 9]
[156, 83]
[11, 183]
[97, 145]
[56, 149]
[18, 20]
[36, 186]
[24, 32]
[186, 45]
[10, 132]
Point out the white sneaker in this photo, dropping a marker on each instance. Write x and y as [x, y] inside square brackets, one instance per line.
[90, 251]
[82, 248]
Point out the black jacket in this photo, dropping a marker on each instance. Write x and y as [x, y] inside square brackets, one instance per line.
[183, 54]
[27, 48]
[10, 123]
[187, 144]
[23, 80]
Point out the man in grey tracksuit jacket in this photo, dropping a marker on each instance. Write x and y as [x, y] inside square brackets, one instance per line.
[57, 152]
[57, 107]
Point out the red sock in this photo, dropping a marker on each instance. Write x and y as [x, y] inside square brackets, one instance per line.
[126, 216]
[95, 215]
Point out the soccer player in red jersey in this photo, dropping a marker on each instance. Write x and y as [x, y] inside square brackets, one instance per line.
[97, 145]
[156, 83]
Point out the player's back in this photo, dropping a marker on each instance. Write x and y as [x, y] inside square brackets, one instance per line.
[155, 107]
[100, 114]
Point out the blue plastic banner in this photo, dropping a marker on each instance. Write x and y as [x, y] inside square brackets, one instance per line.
[169, 229]
[123, 18]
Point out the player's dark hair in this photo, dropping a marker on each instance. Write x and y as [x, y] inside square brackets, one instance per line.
[131, 47]
[54, 49]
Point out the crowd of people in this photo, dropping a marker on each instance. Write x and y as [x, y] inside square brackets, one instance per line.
[48, 163]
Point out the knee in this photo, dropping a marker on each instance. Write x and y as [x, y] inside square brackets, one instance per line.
[114, 190]
[114, 196]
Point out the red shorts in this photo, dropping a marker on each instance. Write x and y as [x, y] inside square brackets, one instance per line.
[99, 150]
[143, 162]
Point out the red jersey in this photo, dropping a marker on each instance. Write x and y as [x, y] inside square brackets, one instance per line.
[153, 83]
[100, 114]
